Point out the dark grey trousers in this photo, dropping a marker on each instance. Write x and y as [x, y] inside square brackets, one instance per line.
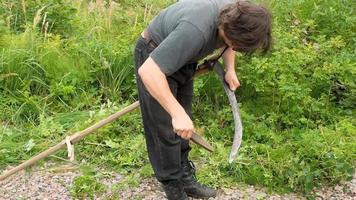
[166, 150]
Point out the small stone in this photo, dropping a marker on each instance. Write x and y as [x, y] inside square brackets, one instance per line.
[338, 188]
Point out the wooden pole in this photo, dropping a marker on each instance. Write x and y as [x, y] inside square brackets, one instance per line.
[73, 138]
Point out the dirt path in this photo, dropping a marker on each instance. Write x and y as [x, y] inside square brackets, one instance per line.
[54, 181]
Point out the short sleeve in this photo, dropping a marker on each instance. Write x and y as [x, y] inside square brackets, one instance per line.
[178, 48]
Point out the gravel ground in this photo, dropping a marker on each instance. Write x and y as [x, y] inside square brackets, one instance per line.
[53, 181]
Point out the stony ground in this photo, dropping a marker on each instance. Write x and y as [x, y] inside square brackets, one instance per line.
[53, 181]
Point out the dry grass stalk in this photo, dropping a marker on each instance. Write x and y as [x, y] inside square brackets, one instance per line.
[23, 4]
[149, 11]
[46, 30]
[112, 6]
[8, 6]
[100, 5]
[37, 17]
[145, 13]
[136, 18]
[44, 21]
[8, 21]
[3, 76]
[91, 7]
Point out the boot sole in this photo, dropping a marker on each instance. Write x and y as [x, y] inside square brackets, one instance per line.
[199, 197]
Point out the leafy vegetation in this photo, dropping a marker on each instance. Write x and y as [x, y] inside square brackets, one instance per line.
[66, 64]
[86, 187]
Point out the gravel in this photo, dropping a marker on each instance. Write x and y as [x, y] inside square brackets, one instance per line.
[53, 181]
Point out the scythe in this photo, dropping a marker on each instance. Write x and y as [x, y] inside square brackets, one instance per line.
[213, 64]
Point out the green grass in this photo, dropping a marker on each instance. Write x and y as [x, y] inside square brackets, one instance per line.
[297, 102]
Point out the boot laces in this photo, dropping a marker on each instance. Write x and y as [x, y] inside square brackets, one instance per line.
[192, 169]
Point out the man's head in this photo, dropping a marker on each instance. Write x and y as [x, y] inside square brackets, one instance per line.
[246, 27]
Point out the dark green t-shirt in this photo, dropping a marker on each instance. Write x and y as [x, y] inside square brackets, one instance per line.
[186, 32]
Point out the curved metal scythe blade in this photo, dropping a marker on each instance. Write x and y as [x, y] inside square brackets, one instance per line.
[235, 111]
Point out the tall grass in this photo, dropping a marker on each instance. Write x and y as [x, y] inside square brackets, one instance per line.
[65, 64]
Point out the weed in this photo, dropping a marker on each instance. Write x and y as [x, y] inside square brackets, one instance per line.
[86, 187]
[66, 64]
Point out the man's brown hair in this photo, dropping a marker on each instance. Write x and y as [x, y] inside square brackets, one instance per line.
[247, 25]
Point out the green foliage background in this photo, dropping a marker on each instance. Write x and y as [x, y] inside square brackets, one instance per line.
[66, 64]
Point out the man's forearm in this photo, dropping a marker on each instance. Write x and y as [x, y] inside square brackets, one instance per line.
[229, 59]
[157, 85]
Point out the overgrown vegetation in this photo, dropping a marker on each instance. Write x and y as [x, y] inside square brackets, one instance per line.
[63, 64]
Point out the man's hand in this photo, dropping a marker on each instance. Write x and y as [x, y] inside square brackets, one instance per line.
[183, 125]
[231, 79]
[230, 75]
[157, 85]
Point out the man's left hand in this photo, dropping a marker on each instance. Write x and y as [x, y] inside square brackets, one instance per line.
[232, 80]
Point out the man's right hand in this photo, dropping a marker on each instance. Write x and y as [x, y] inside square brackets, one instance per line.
[157, 85]
[183, 125]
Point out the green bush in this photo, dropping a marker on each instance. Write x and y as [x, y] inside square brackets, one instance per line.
[297, 101]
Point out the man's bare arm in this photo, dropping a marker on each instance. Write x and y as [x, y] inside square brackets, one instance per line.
[156, 83]
[229, 59]
[230, 76]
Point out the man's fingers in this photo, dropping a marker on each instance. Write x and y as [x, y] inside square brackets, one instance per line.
[234, 85]
[179, 132]
[185, 134]
[189, 134]
[238, 84]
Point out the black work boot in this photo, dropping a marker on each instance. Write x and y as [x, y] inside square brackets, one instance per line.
[191, 185]
[174, 190]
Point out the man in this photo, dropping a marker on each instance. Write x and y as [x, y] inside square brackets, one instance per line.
[166, 56]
